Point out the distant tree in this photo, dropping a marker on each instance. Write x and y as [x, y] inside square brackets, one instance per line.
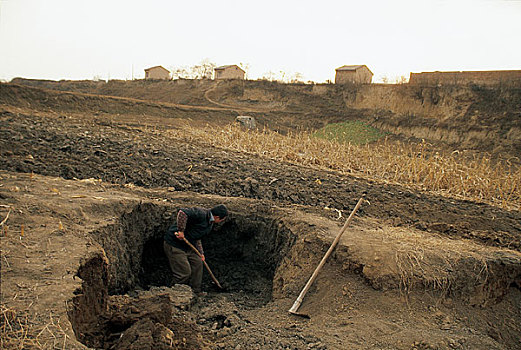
[384, 79]
[401, 80]
[270, 76]
[180, 72]
[203, 70]
[282, 76]
[296, 78]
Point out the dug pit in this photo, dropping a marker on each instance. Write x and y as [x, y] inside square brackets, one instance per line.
[243, 253]
[262, 253]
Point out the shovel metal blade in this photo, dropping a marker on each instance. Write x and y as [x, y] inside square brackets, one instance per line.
[294, 308]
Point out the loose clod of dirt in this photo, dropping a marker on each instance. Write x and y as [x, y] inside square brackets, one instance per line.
[87, 197]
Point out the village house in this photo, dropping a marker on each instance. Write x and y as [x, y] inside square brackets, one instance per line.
[157, 73]
[229, 72]
[358, 74]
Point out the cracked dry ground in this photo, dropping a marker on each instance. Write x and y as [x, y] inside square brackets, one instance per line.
[279, 231]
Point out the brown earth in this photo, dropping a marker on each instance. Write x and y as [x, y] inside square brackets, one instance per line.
[88, 185]
[457, 117]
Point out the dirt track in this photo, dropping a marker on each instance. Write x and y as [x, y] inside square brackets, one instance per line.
[354, 297]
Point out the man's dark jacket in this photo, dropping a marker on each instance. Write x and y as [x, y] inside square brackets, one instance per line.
[198, 225]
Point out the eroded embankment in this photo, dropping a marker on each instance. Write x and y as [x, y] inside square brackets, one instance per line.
[464, 117]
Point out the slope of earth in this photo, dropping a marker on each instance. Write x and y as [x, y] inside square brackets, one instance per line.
[217, 114]
[457, 117]
[129, 148]
[419, 270]
[480, 118]
[187, 92]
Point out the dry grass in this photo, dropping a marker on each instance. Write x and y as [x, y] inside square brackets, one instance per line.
[19, 330]
[412, 260]
[437, 264]
[415, 165]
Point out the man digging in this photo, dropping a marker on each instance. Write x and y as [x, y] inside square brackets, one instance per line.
[185, 262]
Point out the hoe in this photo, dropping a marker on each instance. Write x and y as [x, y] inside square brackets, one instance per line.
[205, 264]
[296, 304]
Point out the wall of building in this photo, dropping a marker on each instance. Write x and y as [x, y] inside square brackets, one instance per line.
[360, 76]
[229, 73]
[157, 73]
[476, 77]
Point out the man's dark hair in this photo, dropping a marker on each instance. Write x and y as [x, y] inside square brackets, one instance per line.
[220, 211]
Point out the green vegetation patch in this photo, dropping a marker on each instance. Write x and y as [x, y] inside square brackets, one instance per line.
[354, 132]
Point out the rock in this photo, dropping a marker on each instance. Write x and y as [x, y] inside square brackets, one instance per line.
[247, 121]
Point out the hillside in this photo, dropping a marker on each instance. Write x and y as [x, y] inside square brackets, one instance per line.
[474, 118]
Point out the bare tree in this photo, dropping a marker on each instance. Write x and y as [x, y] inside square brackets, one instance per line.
[270, 76]
[203, 70]
[401, 80]
[296, 78]
[180, 72]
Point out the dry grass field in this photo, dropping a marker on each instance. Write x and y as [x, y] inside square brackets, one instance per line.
[417, 165]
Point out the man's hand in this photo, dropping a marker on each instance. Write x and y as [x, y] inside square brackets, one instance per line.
[202, 257]
[180, 235]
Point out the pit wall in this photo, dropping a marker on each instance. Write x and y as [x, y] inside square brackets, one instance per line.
[264, 233]
[123, 242]
[246, 251]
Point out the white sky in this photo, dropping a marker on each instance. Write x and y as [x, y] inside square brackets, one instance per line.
[82, 39]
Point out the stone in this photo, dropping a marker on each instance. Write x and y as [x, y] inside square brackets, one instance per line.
[247, 121]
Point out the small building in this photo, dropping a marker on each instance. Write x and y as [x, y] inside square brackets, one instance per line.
[353, 75]
[229, 72]
[157, 73]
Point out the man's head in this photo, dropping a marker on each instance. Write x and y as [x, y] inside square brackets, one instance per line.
[219, 212]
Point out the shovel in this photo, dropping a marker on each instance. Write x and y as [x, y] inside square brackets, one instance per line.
[204, 262]
[296, 304]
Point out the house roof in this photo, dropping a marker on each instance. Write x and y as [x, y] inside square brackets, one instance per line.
[353, 68]
[147, 69]
[228, 66]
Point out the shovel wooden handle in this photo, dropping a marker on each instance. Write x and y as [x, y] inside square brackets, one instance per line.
[204, 262]
[297, 302]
